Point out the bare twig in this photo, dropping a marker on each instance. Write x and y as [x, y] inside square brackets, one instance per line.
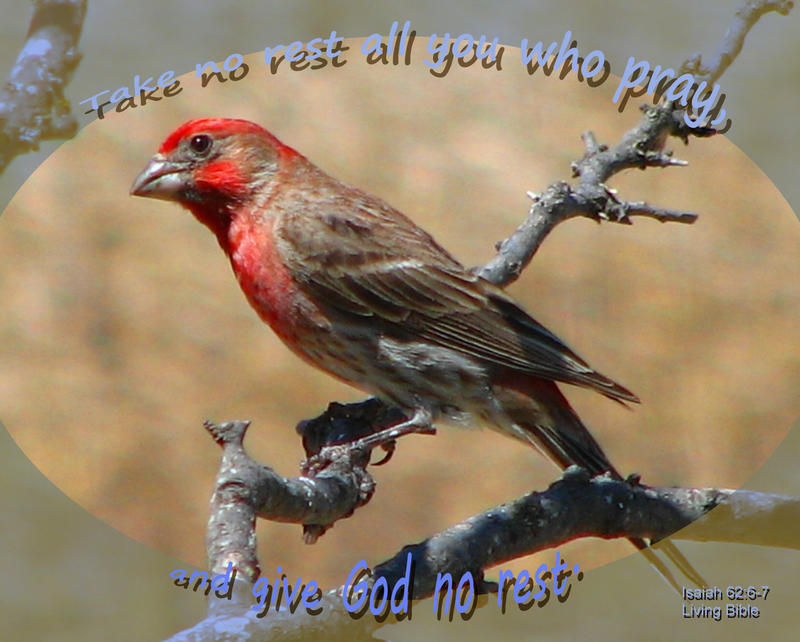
[32, 103]
[745, 18]
[640, 147]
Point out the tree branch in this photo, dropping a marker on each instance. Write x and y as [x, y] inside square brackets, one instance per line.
[640, 147]
[246, 489]
[579, 506]
[32, 103]
[572, 507]
[732, 42]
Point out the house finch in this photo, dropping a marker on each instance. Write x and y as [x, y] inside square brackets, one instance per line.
[356, 289]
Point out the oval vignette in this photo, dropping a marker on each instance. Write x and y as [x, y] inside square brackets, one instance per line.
[125, 329]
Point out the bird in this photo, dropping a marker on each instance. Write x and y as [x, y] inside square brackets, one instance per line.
[355, 288]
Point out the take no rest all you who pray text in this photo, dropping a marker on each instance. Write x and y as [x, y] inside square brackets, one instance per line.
[703, 104]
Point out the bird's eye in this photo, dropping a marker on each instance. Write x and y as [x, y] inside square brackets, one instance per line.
[200, 144]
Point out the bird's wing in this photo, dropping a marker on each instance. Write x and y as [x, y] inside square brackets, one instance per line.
[368, 263]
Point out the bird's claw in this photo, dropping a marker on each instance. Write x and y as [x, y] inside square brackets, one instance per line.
[389, 447]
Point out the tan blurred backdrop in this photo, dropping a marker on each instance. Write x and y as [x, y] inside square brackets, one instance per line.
[124, 328]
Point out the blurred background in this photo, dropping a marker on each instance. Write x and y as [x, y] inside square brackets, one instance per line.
[124, 328]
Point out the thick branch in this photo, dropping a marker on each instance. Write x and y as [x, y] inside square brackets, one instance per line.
[577, 506]
[32, 103]
[572, 507]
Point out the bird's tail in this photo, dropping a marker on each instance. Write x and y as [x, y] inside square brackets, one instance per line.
[536, 411]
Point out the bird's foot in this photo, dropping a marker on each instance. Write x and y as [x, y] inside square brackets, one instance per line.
[420, 422]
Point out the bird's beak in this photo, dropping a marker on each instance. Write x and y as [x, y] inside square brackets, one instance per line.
[162, 178]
